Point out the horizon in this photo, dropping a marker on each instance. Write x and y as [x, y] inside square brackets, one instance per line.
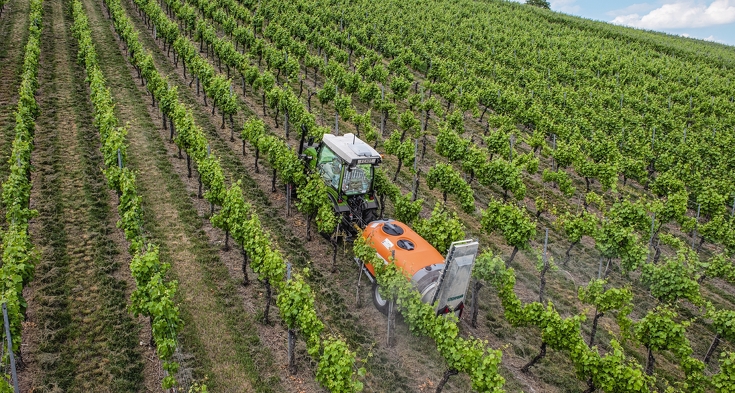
[711, 20]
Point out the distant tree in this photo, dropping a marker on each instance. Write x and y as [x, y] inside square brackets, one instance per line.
[539, 3]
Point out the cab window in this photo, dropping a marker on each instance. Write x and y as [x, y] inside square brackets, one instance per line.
[329, 167]
[357, 181]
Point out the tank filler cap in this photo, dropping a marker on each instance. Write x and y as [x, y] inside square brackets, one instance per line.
[392, 229]
[406, 244]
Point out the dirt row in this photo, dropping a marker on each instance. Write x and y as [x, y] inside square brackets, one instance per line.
[78, 336]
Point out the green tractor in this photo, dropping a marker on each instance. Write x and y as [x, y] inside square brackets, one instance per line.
[347, 166]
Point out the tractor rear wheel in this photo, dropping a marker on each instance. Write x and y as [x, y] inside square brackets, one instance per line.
[380, 303]
[370, 216]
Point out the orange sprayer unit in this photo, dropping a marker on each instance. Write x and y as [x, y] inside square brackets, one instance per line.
[440, 281]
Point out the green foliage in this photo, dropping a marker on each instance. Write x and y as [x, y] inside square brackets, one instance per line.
[408, 123]
[213, 179]
[383, 185]
[629, 214]
[474, 160]
[296, 304]
[399, 86]
[673, 208]
[539, 3]
[449, 181]
[666, 184]
[505, 174]
[450, 145]
[566, 153]
[253, 130]
[498, 142]
[723, 321]
[343, 105]
[197, 387]
[405, 210]
[403, 150]
[659, 331]
[594, 199]
[234, 211]
[441, 229]
[285, 161]
[562, 180]
[612, 372]
[674, 279]
[711, 201]
[721, 267]
[715, 230]
[615, 241]
[315, 203]
[515, 224]
[334, 370]
[725, 379]
[577, 225]
[529, 162]
[610, 299]
[489, 267]
[327, 93]
[605, 172]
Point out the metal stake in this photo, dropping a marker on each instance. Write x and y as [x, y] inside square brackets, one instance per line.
[694, 232]
[291, 335]
[14, 374]
[650, 239]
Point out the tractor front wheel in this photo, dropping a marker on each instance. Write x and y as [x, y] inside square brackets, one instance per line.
[380, 303]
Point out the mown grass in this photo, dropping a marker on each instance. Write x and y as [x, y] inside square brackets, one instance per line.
[89, 341]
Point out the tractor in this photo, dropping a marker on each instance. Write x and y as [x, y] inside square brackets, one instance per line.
[347, 166]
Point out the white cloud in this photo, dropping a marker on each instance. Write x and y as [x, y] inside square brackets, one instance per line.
[567, 6]
[638, 8]
[682, 14]
[712, 38]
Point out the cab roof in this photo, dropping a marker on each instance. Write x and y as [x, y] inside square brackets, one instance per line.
[351, 149]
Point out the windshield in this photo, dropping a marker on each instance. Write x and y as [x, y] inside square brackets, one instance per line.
[357, 181]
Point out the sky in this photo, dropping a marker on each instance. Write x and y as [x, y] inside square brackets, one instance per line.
[712, 20]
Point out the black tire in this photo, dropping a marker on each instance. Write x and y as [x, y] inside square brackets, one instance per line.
[379, 303]
[370, 216]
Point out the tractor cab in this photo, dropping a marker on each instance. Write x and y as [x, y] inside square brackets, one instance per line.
[347, 166]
